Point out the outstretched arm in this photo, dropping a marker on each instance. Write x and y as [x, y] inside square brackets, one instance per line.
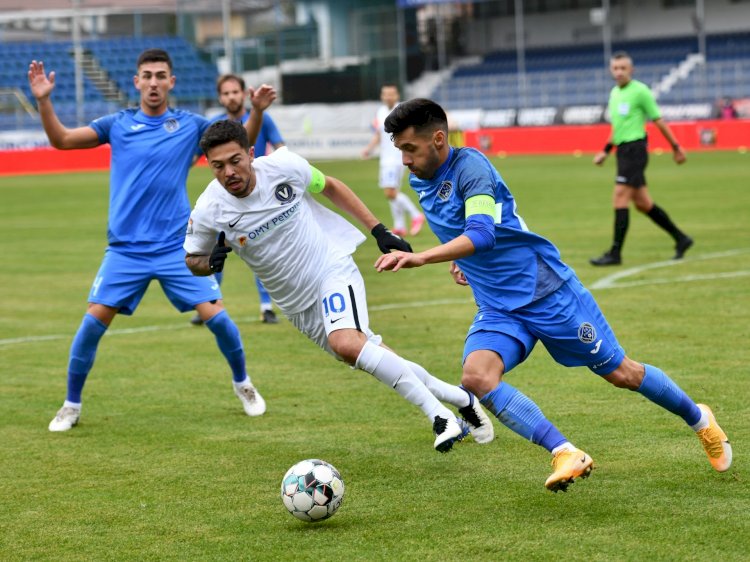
[59, 136]
[459, 247]
[260, 100]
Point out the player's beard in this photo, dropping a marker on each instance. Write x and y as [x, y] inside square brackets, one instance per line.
[233, 108]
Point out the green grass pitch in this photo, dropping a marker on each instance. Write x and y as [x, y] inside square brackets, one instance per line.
[165, 466]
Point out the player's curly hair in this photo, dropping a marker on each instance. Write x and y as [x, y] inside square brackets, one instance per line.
[222, 132]
[424, 115]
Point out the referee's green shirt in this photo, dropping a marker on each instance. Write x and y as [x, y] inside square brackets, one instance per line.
[629, 109]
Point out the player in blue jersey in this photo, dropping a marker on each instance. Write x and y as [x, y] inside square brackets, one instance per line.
[232, 95]
[524, 293]
[152, 147]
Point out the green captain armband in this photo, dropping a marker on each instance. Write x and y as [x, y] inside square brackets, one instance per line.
[317, 182]
[481, 205]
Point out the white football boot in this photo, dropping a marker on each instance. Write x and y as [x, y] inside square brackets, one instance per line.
[480, 424]
[251, 399]
[65, 419]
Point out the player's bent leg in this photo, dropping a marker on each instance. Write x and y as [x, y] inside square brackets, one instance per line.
[392, 370]
[655, 385]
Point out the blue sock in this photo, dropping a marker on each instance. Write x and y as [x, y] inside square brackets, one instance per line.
[520, 414]
[661, 390]
[230, 344]
[82, 354]
[265, 298]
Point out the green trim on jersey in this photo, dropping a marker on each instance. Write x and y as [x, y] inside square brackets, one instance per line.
[481, 205]
[317, 182]
[629, 109]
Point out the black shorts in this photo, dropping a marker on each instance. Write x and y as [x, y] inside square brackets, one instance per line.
[632, 158]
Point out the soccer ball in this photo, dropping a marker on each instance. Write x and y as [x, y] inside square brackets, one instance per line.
[312, 490]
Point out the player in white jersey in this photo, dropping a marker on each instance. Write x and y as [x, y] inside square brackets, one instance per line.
[391, 167]
[263, 210]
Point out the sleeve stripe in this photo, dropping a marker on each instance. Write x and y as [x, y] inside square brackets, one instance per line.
[480, 205]
[317, 182]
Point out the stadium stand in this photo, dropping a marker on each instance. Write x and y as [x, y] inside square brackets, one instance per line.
[116, 58]
[559, 76]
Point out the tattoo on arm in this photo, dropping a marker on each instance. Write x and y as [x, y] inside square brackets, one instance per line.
[198, 265]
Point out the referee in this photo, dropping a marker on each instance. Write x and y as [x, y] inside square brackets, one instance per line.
[631, 103]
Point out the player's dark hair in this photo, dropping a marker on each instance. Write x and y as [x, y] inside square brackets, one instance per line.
[223, 132]
[621, 55]
[424, 115]
[226, 78]
[154, 55]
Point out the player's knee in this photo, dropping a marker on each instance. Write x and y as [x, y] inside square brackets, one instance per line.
[629, 375]
[346, 344]
[477, 382]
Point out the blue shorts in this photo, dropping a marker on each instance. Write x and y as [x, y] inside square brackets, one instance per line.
[568, 322]
[124, 277]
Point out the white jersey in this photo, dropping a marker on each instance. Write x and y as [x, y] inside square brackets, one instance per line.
[389, 154]
[286, 237]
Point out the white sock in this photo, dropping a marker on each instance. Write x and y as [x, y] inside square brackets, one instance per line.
[392, 370]
[407, 205]
[454, 395]
[397, 213]
[239, 385]
[701, 423]
[567, 446]
[76, 405]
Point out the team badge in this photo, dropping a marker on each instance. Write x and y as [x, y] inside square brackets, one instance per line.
[171, 125]
[586, 333]
[284, 193]
[189, 227]
[445, 190]
[242, 240]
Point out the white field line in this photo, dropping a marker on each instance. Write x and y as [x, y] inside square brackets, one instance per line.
[608, 282]
[611, 281]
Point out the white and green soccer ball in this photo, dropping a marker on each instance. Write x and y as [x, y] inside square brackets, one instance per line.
[312, 490]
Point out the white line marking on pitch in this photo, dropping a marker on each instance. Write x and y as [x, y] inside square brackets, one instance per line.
[608, 282]
[611, 281]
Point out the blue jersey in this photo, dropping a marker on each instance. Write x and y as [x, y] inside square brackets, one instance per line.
[523, 266]
[268, 134]
[151, 157]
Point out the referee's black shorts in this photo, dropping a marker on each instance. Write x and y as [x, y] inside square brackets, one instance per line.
[632, 158]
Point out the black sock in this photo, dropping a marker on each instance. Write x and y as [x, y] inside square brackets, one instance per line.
[660, 217]
[622, 221]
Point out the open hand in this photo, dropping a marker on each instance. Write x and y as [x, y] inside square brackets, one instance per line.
[262, 97]
[41, 86]
[397, 260]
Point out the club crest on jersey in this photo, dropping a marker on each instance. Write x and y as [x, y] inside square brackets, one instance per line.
[586, 333]
[445, 190]
[242, 240]
[189, 226]
[284, 193]
[171, 125]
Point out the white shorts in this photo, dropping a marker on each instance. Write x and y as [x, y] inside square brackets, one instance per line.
[342, 303]
[390, 175]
